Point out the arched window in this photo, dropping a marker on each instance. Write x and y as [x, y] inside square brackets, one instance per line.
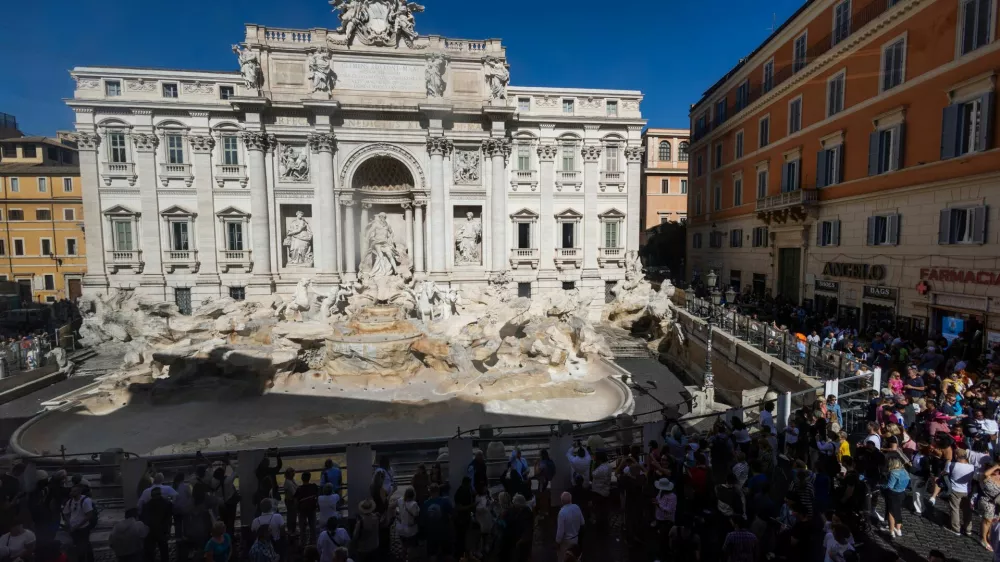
[665, 151]
[682, 152]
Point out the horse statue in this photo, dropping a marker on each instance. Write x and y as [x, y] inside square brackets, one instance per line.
[424, 295]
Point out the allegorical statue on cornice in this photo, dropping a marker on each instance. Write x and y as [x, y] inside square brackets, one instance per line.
[379, 23]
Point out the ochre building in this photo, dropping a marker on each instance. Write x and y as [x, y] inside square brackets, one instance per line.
[665, 178]
[41, 213]
[850, 163]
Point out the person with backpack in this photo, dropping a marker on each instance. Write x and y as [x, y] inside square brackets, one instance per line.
[81, 518]
[272, 520]
[407, 526]
[435, 522]
[366, 532]
[306, 497]
[333, 537]
[895, 493]
[157, 514]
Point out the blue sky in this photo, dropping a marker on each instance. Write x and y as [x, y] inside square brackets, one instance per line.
[672, 50]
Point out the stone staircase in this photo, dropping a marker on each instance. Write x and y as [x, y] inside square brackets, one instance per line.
[624, 344]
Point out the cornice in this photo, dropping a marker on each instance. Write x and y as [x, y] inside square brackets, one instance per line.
[841, 50]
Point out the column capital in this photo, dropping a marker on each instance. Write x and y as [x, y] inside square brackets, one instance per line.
[439, 146]
[145, 142]
[497, 147]
[255, 141]
[322, 142]
[201, 144]
[634, 154]
[406, 205]
[547, 152]
[418, 203]
[347, 200]
[86, 141]
[272, 142]
[366, 205]
[591, 153]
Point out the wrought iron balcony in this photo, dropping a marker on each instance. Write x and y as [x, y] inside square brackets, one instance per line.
[116, 260]
[524, 256]
[118, 171]
[781, 207]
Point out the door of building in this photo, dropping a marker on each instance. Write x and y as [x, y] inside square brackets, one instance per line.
[789, 266]
[24, 289]
[74, 289]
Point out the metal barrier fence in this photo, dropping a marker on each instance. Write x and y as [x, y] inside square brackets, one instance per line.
[812, 359]
[22, 355]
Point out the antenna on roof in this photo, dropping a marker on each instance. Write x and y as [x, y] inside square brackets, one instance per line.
[774, 22]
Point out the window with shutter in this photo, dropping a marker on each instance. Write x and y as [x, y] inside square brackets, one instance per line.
[944, 227]
[892, 230]
[871, 230]
[836, 232]
[821, 169]
[979, 225]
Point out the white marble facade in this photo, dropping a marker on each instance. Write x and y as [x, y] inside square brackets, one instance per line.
[251, 180]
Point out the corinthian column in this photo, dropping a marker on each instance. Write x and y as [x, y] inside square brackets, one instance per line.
[633, 180]
[498, 150]
[96, 277]
[591, 225]
[408, 217]
[349, 263]
[322, 146]
[201, 159]
[438, 147]
[260, 220]
[365, 208]
[145, 168]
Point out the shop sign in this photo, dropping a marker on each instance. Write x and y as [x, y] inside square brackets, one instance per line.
[828, 286]
[961, 276]
[855, 271]
[961, 301]
[884, 293]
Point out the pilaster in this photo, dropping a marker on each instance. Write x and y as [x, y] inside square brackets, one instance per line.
[633, 189]
[418, 236]
[365, 212]
[592, 242]
[350, 263]
[152, 249]
[201, 160]
[498, 149]
[87, 144]
[546, 181]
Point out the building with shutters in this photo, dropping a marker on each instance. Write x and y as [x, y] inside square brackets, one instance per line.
[41, 217]
[664, 178]
[850, 163]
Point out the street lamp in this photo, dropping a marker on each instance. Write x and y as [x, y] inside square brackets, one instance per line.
[730, 295]
[708, 387]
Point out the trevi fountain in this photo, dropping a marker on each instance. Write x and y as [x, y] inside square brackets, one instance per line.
[387, 357]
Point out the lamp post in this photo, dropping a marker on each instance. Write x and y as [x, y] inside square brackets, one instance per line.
[708, 387]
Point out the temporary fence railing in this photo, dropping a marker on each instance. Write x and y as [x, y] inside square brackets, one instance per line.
[23, 355]
[811, 358]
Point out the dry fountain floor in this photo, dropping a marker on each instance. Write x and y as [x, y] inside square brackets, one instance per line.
[308, 413]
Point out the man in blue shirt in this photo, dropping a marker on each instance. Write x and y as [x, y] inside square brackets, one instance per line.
[331, 475]
[833, 406]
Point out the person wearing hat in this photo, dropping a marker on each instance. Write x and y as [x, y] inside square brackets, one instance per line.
[366, 532]
[666, 511]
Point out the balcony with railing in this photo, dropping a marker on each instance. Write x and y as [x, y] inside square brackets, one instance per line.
[792, 205]
[568, 258]
[116, 260]
[612, 180]
[181, 259]
[611, 256]
[859, 20]
[230, 172]
[229, 259]
[170, 171]
[118, 171]
[572, 179]
[524, 180]
[524, 256]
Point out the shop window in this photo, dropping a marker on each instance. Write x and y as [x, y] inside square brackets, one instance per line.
[962, 226]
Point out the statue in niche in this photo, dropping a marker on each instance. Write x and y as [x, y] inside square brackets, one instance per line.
[321, 72]
[434, 74]
[294, 164]
[497, 77]
[384, 257]
[467, 166]
[249, 68]
[298, 240]
[467, 240]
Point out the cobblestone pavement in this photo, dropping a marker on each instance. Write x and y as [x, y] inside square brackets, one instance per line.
[923, 533]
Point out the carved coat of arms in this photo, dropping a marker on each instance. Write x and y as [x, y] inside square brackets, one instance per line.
[380, 23]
